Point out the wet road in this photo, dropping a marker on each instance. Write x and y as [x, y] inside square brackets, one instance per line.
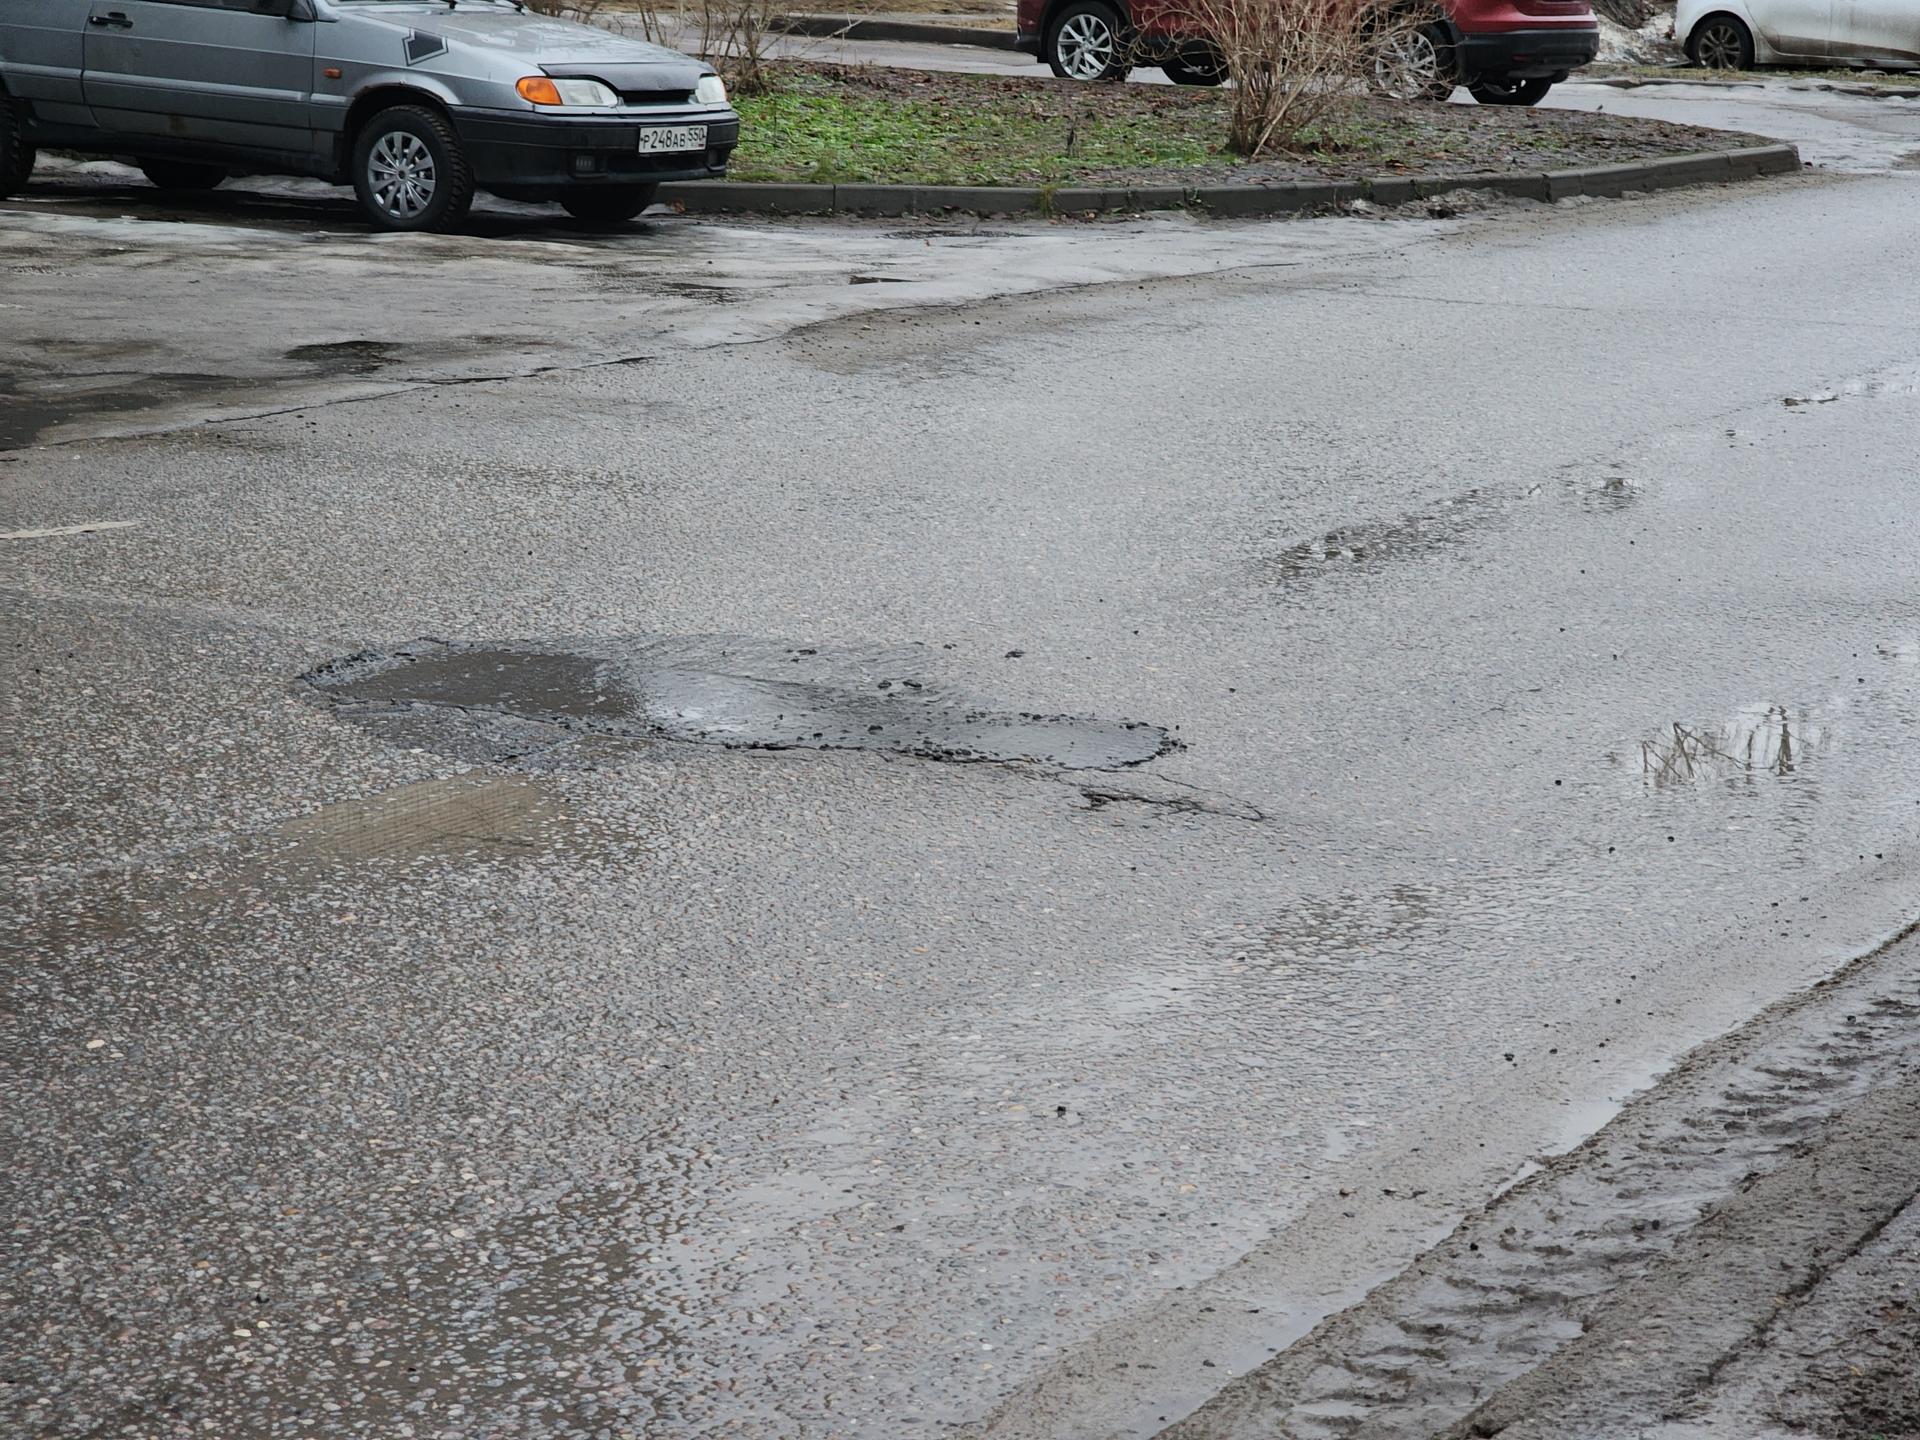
[522, 1047]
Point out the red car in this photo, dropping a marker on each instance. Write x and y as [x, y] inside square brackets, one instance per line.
[1507, 52]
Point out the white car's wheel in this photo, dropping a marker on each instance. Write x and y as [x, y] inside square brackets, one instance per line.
[1721, 42]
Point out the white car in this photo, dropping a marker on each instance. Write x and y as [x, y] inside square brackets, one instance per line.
[1739, 34]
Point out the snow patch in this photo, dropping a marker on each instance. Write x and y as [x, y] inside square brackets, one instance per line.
[1649, 45]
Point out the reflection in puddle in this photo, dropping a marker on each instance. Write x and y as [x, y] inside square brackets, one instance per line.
[1770, 740]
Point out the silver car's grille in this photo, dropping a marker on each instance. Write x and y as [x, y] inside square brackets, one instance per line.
[656, 97]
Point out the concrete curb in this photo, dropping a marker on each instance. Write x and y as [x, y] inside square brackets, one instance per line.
[707, 197]
[834, 27]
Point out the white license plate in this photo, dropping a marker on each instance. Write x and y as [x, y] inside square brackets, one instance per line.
[672, 139]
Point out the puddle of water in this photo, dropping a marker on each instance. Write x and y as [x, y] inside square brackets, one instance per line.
[475, 821]
[1759, 740]
[736, 693]
[456, 816]
[31, 405]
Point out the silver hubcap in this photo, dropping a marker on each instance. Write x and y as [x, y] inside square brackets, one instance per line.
[1086, 47]
[1720, 48]
[1407, 66]
[401, 174]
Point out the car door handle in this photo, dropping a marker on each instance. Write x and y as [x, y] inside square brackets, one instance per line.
[113, 20]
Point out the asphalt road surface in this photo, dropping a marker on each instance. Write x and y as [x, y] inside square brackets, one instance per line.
[821, 830]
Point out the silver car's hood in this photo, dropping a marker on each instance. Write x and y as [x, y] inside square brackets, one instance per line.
[524, 41]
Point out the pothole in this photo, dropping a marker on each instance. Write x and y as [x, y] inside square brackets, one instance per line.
[516, 699]
[346, 357]
[1374, 544]
[934, 233]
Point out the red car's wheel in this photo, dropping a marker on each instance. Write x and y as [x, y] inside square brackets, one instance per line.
[1089, 41]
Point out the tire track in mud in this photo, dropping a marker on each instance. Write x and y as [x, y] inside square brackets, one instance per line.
[1527, 1276]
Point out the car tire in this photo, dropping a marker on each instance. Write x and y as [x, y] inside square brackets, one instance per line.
[16, 155]
[1498, 90]
[182, 174]
[610, 206]
[1721, 42]
[1206, 67]
[1415, 64]
[410, 172]
[1088, 41]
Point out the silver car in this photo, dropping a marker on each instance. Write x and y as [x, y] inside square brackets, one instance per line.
[415, 103]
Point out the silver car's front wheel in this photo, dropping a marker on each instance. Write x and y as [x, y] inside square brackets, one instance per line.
[402, 176]
[1088, 42]
[1409, 65]
[410, 172]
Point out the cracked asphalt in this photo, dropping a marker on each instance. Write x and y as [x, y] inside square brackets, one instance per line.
[1527, 598]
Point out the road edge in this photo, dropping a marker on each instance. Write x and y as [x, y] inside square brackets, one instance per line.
[1291, 197]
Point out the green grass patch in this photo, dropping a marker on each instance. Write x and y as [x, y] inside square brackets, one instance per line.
[830, 138]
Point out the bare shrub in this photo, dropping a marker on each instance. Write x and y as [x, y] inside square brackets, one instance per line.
[733, 35]
[736, 36]
[1630, 13]
[1294, 64]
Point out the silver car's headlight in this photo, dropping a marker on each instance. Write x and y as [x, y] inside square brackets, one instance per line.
[711, 90]
[546, 90]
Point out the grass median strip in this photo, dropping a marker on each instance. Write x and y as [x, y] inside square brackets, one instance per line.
[835, 124]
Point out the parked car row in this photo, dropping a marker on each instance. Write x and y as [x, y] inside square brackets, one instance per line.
[1506, 52]
[419, 103]
[414, 103]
